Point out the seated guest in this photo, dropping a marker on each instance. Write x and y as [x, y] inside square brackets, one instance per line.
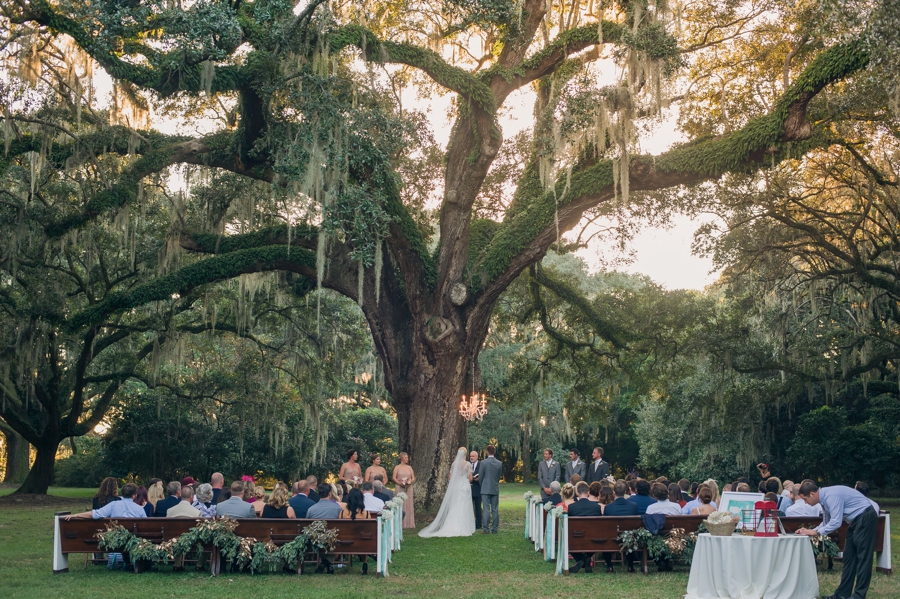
[173, 498]
[606, 497]
[384, 489]
[108, 491]
[337, 495]
[224, 495]
[203, 501]
[761, 487]
[373, 504]
[567, 494]
[259, 492]
[575, 479]
[642, 497]
[378, 487]
[279, 504]
[123, 508]
[788, 486]
[140, 498]
[594, 491]
[620, 507]
[249, 494]
[554, 498]
[216, 481]
[662, 505]
[301, 502]
[184, 509]
[676, 495]
[583, 507]
[235, 506]
[773, 485]
[863, 487]
[357, 508]
[188, 481]
[694, 503]
[685, 486]
[800, 508]
[727, 488]
[155, 492]
[774, 499]
[743, 488]
[326, 507]
[705, 508]
[313, 483]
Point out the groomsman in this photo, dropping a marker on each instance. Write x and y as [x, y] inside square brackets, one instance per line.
[575, 466]
[548, 471]
[475, 482]
[598, 470]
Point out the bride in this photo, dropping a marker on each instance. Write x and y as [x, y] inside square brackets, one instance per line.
[455, 518]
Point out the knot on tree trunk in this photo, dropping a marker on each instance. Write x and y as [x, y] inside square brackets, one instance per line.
[796, 127]
[437, 328]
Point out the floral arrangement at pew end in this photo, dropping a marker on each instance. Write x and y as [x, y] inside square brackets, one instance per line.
[823, 544]
[401, 496]
[558, 511]
[548, 506]
[633, 541]
[528, 495]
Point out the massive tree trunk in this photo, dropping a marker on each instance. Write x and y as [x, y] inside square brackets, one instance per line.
[41, 474]
[17, 452]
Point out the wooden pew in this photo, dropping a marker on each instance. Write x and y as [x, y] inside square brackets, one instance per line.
[594, 534]
[355, 537]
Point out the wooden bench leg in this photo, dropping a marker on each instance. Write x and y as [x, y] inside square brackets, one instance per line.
[644, 567]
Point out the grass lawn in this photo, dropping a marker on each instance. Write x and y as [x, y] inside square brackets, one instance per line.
[502, 565]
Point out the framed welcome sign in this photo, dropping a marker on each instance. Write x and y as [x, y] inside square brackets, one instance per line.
[736, 503]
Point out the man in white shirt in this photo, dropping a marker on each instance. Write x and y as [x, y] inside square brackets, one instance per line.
[662, 505]
[802, 509]
[373, 504]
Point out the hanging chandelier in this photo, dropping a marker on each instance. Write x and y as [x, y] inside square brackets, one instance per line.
[473, 407]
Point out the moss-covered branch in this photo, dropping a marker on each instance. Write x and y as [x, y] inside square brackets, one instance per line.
[210, 243]
[211, 270]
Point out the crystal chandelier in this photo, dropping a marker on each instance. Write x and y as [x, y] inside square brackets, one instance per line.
[473, 407]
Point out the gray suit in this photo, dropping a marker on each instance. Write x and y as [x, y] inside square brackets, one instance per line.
[235, 508]
[573, 470]
[491, 468]
[546, 475]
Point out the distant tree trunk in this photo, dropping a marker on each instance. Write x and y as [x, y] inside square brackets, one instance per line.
[41, 474]
[526, 454]
[17, 450]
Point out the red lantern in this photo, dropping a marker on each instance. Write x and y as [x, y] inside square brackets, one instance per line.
[766, 524]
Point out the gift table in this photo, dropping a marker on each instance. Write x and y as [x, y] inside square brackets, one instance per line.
[746, 567]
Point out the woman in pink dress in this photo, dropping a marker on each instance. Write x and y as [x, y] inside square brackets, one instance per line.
[404, 477]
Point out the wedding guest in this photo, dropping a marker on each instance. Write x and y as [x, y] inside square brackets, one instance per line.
[726, 488]
[574, 466]
[173, 489]
[184, 509]
[743, 488]
[620, 507]
[235, 506]
[356, 508]
[685, 486]
[249, 494]
[705, 508]
[580, 508]
[259, 499]
[155, 492]
[761, 487]
[662, 506]
[694, 503]
[188, 481]
[375, 469]
[121, 508]
[773, 485]
[216, 481]
[606, 497]
[842, 504]
[554, 498]
[378, 491]
[225, 495]
[576, 478]
[279, 504]
[337, 495]
[863, 487]
[140, 498]
[567, 494]
[343, 488]
[301, 502]
[404, 478]
[800, 508]
[326, 508]
[350, 469]
[384, 487]
[714, 487]
[642, 498]
[313, 483]
[676, 495]
[203, 501]
[373, 504]
[594, 491]
[108, 491]
[694, 488]
[548, 471]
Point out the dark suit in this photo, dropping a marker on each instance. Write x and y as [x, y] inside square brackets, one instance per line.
[584, 507]
[620, 507]
[163, 505]
[382, 496]
[597, 472]
[642, 501]
[314, 495]
[554, 499]
[476, 494]
[216, 493]
[301, 503]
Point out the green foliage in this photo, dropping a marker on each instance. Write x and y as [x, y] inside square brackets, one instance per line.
[368, 431]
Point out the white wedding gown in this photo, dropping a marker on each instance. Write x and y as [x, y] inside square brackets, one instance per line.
[456, 517]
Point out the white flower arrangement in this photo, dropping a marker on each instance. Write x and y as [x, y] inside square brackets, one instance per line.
[528, 495]
[548, 506]
[719, 518]
[558, 511]
[387, 515]
[401, 496]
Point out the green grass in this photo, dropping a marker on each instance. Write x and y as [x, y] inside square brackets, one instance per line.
[502, 565]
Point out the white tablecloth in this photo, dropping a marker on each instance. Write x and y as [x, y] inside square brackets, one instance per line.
[743, 567]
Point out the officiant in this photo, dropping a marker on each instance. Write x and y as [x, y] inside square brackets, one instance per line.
[475, 483]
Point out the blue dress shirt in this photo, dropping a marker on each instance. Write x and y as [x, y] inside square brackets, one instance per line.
[126, 508]
[839, 503]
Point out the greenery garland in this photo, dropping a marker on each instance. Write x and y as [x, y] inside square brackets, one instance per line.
[674, 544]
[246, 552]
[823, 544]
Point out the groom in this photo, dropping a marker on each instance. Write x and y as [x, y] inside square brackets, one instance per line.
[490, 491]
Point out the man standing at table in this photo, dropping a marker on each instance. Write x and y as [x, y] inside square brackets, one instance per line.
[843, 504]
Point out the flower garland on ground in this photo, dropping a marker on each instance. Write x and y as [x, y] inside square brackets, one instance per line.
[245, 552]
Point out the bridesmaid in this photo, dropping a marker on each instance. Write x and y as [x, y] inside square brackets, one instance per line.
[404, 477]
[350, 469]
[375, 469]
